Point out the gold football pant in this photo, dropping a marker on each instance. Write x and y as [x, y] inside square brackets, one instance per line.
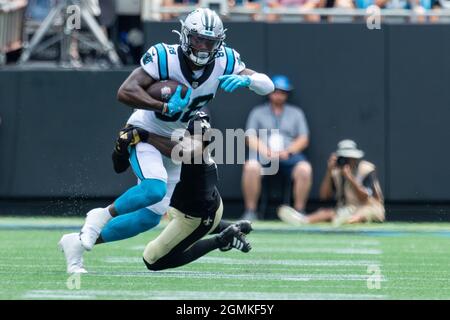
[171, 247]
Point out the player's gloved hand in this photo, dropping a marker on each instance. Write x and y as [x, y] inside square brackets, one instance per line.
[128, 136]
[231, 82]
[176, 102]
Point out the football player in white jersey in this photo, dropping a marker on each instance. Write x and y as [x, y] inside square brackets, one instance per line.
[202, 63]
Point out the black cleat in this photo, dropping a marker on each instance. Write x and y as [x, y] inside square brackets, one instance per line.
[231, 238]
[245, 226]
[226, 237]
[241, 243]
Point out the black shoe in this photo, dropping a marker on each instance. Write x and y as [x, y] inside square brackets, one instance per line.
[226, 237]
[245, 226]
[231, 238]
[240, 242]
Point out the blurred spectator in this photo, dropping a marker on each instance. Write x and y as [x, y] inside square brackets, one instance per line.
[288, 145]
[302, 5]
[419, 7]
[175, 3]
[246, 3]
[105, 13]
[436, 7]
[363, 4]
[37, 10]
[354, 184]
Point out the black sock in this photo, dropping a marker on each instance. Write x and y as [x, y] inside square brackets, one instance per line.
[177, 259]
[221, 226]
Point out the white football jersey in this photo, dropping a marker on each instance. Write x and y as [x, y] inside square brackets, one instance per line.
[167, 62]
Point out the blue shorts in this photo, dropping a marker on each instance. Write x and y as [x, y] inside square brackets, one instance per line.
[286, 166]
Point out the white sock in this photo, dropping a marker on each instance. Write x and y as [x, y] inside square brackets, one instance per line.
[101, 217]
[106, 215]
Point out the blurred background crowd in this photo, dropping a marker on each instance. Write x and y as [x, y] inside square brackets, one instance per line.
[121, 20]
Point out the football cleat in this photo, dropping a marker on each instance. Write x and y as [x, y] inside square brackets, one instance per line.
[70, 244]
[226, 237]
[245, 226]
[95, 221]
[292, 216]
[231, 238]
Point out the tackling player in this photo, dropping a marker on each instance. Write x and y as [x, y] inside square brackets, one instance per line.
[195, 207]
[202, 63]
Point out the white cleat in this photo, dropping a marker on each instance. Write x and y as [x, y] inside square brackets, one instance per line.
[70, 244]
[95, 221]
[291, 216]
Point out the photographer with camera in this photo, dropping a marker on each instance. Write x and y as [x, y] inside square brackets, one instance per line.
[353, 183]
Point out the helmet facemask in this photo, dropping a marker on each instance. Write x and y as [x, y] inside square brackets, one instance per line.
[200, 49]
[200, 43]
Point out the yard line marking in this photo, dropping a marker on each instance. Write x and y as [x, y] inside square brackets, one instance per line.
[207, 295]
[232, 261]
[57, 296]
[304, 241]
[321, 250]
[234, 276]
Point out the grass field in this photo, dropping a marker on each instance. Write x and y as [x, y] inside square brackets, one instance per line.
[390, 261]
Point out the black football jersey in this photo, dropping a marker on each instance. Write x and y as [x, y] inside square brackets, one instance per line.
[196, 193]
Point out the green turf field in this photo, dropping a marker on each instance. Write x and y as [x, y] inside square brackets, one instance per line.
[390, 261]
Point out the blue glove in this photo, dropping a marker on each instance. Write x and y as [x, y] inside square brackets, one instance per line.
[176, 103]
[233, 81]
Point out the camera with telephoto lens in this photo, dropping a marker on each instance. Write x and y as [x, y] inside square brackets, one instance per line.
[342, 161]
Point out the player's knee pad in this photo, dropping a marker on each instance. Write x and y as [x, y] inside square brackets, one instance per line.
[153, 189]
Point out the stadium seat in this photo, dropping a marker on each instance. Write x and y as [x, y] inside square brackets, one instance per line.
[275, 190]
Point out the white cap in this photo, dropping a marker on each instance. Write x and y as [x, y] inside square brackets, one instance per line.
[349, 149]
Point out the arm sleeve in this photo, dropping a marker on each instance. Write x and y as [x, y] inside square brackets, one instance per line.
[149, 62]
[260, 83]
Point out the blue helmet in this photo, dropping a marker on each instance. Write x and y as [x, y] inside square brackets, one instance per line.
[282, 82]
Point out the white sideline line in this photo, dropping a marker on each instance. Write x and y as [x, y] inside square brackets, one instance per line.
[233, 276]
[319, 241]
[194, 295]
[321, 250]
[58, 296]
[231, 261]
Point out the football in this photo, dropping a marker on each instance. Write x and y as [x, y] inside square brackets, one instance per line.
[163, 90]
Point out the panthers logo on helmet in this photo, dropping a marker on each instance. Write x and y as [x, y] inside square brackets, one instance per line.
[147, 58]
